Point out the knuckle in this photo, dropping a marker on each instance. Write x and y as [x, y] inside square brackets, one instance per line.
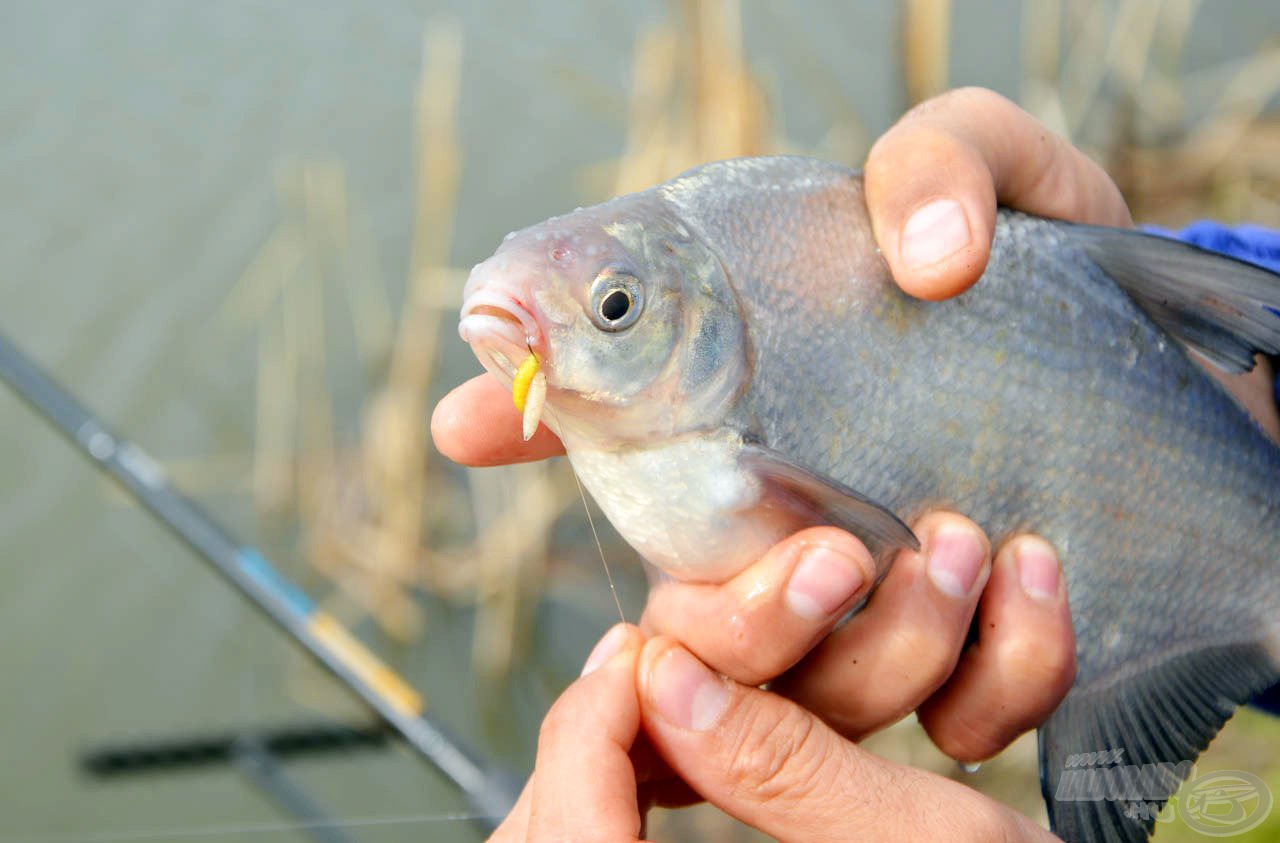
[777, 756]
[1051, 173]
[924, 140]
[966, 101]
[974, 96]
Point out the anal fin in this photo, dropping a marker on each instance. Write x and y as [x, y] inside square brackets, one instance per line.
[1118, 747]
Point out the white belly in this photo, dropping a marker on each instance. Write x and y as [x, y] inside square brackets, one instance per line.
[685, 505]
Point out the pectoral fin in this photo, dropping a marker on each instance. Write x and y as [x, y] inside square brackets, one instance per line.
[828, 501]
[1226, 309]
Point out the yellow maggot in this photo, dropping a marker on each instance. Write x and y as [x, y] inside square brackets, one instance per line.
[529, 392]
[524, 377]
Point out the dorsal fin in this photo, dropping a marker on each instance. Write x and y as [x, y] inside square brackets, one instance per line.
[1226, 309]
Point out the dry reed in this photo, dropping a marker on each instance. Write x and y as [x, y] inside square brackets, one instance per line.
[1106, 75]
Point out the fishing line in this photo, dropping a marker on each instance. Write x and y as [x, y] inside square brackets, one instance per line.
[490, 790]
[239, 829]
[613, 589]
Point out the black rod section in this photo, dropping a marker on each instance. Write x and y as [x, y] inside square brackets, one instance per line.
[285, 743]
[491, 791]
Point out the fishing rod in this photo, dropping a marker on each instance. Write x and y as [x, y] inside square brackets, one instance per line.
[491, 791]
[285, 743]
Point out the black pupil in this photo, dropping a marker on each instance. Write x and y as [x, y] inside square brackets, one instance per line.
[615, 305]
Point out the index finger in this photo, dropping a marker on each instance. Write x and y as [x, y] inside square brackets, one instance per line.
[583, 777]
[478, 425]
[933, 182]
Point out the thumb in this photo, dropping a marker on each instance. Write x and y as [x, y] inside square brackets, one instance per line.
[933, 181]
[770, 763]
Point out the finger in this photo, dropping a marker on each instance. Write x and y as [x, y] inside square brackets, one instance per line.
[656, 783]
[477, 424]
[583, 781]
[905, 642]
[775, 766]
[933, 182]
[755, 626]
[1021, 665]
[515, 827]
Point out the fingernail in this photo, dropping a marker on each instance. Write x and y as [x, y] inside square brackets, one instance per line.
[1038, 570]
[686, 693]
[822, 582]
[955, 559]
[936, 231]
[606, 648]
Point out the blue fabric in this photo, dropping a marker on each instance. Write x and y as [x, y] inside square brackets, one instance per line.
[1251, 243]
[1258, 245]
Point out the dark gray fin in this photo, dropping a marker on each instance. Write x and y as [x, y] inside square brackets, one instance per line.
[827, 501]
[1224, 308]
[1164, 716]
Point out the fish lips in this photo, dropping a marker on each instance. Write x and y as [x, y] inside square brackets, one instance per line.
[499, 330]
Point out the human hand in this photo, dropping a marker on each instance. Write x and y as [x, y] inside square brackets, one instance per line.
[969, 147]
[908, 648]
[933, 182]
[975, 150]
[973, 701]
[584, 784]
[756, 755]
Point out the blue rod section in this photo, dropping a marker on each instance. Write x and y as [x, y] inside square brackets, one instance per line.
[491, 791]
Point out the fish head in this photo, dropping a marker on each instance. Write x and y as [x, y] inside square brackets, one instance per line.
[632, 318]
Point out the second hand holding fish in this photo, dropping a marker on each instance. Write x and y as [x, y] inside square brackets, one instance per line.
[1000, 175]
[973, 706]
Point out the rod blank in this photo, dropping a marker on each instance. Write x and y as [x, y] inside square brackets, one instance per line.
[491, 791]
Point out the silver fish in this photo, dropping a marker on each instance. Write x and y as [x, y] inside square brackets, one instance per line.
[728, 360]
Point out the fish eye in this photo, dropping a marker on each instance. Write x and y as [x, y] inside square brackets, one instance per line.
[616, 300]
[615, 305]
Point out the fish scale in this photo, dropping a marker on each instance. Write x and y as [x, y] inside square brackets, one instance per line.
[1049, 398]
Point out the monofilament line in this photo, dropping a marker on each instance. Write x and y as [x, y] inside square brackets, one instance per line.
[613, 589]
[592, 521]
[256, 829]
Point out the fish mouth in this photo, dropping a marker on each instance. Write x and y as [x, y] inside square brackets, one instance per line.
[502, 306]
[499, 330]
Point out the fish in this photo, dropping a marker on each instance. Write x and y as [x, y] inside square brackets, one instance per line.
[728, 360]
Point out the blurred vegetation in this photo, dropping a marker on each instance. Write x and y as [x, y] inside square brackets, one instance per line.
[384, 519]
